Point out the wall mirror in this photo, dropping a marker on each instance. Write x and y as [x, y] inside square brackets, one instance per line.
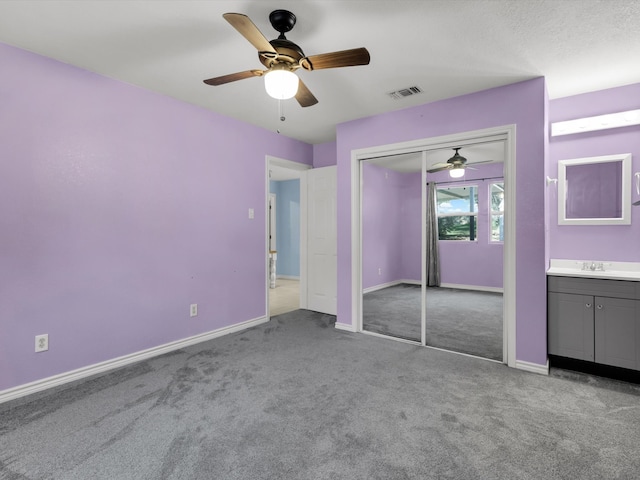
[595, 190]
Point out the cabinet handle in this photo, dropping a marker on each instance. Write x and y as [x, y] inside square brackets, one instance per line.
[599, 307]
[588, 305]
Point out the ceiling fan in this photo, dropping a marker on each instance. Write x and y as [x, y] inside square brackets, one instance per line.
[282, 57]
[456, 165]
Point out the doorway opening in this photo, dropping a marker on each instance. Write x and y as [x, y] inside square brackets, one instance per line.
[500, 175]
[285, 238]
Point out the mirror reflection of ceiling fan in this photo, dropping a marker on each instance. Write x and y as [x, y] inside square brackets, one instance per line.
[282, 58]
[456, 165]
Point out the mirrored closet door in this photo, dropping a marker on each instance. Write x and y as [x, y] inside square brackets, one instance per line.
[460, 231]
[391, 246]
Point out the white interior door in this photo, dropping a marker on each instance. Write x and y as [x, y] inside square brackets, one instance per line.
[322, 258]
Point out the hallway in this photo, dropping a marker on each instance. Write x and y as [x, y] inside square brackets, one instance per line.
[285, 297]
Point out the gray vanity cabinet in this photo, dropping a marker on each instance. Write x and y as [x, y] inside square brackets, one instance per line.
[617, 332]
[571, 330]
[595, 320]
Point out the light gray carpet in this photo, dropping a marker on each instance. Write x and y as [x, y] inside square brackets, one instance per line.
[459, 320]
[297, 399]
[393, 311]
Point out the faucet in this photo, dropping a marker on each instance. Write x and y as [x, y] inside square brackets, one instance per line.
[593, 266]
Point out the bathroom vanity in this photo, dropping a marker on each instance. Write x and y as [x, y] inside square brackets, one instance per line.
[594, 312]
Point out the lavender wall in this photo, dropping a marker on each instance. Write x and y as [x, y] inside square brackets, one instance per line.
[115, 216]
[391, 219]
[324, 155]
[411, 226]
[523, 104]
[381, 240]
[588, 242]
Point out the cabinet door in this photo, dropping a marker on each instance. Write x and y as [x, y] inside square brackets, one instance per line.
[617, 323]
[571, 327]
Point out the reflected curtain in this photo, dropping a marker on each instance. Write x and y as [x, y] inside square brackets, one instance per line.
[432, 254]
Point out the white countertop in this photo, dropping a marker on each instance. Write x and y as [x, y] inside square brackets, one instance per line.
[604, 269]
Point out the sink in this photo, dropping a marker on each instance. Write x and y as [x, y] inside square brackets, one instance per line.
[601, 269]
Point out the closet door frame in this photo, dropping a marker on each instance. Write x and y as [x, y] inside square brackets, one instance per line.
[504, 133]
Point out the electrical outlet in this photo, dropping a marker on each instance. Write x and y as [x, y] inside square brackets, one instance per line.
[193, 310]
[42, 342]
[252, 214]
[379, 271]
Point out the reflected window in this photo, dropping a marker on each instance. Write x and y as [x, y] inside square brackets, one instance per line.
[457, 212]
[496, 200]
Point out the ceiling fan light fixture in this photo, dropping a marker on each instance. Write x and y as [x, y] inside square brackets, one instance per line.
[456, 172]
[281, 84]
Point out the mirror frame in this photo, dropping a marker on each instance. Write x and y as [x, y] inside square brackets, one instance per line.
[625, 219]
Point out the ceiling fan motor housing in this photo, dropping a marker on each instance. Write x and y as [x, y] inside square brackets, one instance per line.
[288, 52]
[457, 158]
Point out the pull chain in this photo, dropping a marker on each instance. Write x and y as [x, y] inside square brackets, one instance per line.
[280, 113]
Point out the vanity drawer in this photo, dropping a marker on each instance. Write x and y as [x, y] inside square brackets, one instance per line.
[595, 286]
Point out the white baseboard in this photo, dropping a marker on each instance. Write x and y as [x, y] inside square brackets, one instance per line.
[390, 284]
[389, 337]
[381, 286]
[533, 367]
[289, 277]
[479, 288]
[346, 327]
[102, 367]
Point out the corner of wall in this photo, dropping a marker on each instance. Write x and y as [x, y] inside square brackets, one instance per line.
[325, 154]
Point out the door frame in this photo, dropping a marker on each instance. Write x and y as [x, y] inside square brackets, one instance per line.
[506, 133]
[271, 213]
[299, 169]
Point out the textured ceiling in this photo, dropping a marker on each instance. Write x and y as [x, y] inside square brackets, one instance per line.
[447, 48]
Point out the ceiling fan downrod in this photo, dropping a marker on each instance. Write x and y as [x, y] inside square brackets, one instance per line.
[282, 21]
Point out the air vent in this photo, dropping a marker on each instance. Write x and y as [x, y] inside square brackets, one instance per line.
[405, 92]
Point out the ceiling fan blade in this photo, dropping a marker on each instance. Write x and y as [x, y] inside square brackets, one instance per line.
[248, 30]
[439, 169]
[344, 58]
[304, 96]
[232, 77]
[481, 161]
[441, 164]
